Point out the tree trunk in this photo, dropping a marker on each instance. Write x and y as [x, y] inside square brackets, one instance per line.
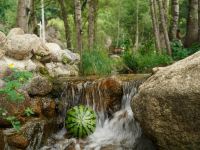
[78, 22]
[32, 20]
[155, 26]
[175, 18]
[136, 46]
[22, 15]
[192, 23]
[164, 27]
[199, 19]
[166, 10]
[66, 24]
[92, 14]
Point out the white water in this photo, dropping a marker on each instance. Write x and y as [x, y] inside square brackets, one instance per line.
[122, 130]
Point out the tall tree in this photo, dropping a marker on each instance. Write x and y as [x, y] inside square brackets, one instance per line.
[155, 25]
[78, 22]
[175, 18]
[66, 24]
[192, 23]
[22, 15]
[164, 26]
[92, 16]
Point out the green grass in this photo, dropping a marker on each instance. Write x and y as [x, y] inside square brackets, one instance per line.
[96, 62]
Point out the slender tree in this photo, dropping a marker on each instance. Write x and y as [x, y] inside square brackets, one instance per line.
[175, 18]
[136, 46]
[66, 24]
[78, 22]
[192, 23]
[164, 26]
[92, 16]
[199, 20]
[155, 25]
[22, 15]
[32, 20]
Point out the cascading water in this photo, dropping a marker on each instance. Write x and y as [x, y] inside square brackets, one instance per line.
[122, 130]
[116, 128]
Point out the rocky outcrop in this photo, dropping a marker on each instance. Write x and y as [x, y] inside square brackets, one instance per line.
[167, 105]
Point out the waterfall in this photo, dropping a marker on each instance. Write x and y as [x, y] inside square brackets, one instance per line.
[116, 127]
[121, 131]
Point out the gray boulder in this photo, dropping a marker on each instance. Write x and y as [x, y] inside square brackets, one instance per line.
[168, 105]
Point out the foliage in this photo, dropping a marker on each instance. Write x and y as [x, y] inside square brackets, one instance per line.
[96, 62]
[130, 60]
[178, 51]
[12, 119]
[194, 48]
[14, 81]
[139, 62]
[15, 123]
[29, 111]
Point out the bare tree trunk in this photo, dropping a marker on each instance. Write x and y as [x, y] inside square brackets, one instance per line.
[166, 10]
[92, 22]
[136, 46]
[199, 19]
[192, 23]
[78, 21]
[66, 24]
[175, 18]
[22, 15]
[164, 27]
[155, 26]
[32, 20]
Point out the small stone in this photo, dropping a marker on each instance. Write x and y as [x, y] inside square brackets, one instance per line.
[18, 141]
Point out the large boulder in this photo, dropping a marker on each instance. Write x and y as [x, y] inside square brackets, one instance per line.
[23, 46]
[59, 69]
[2, 39]
[168, 105]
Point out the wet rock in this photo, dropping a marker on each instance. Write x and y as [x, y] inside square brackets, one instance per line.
[48, 107]
[18, 141]
[167, 105]
[103, 95]
[59, 69]
[31, 135]
[36, 105]
[15, 31]
[39, 86]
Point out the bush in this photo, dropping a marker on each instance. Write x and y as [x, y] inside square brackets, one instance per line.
[140, 63]
[178, 51]
[96, 62]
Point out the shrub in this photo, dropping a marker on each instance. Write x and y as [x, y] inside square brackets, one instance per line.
[96, 62]
[178, 51]
[138, 62]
